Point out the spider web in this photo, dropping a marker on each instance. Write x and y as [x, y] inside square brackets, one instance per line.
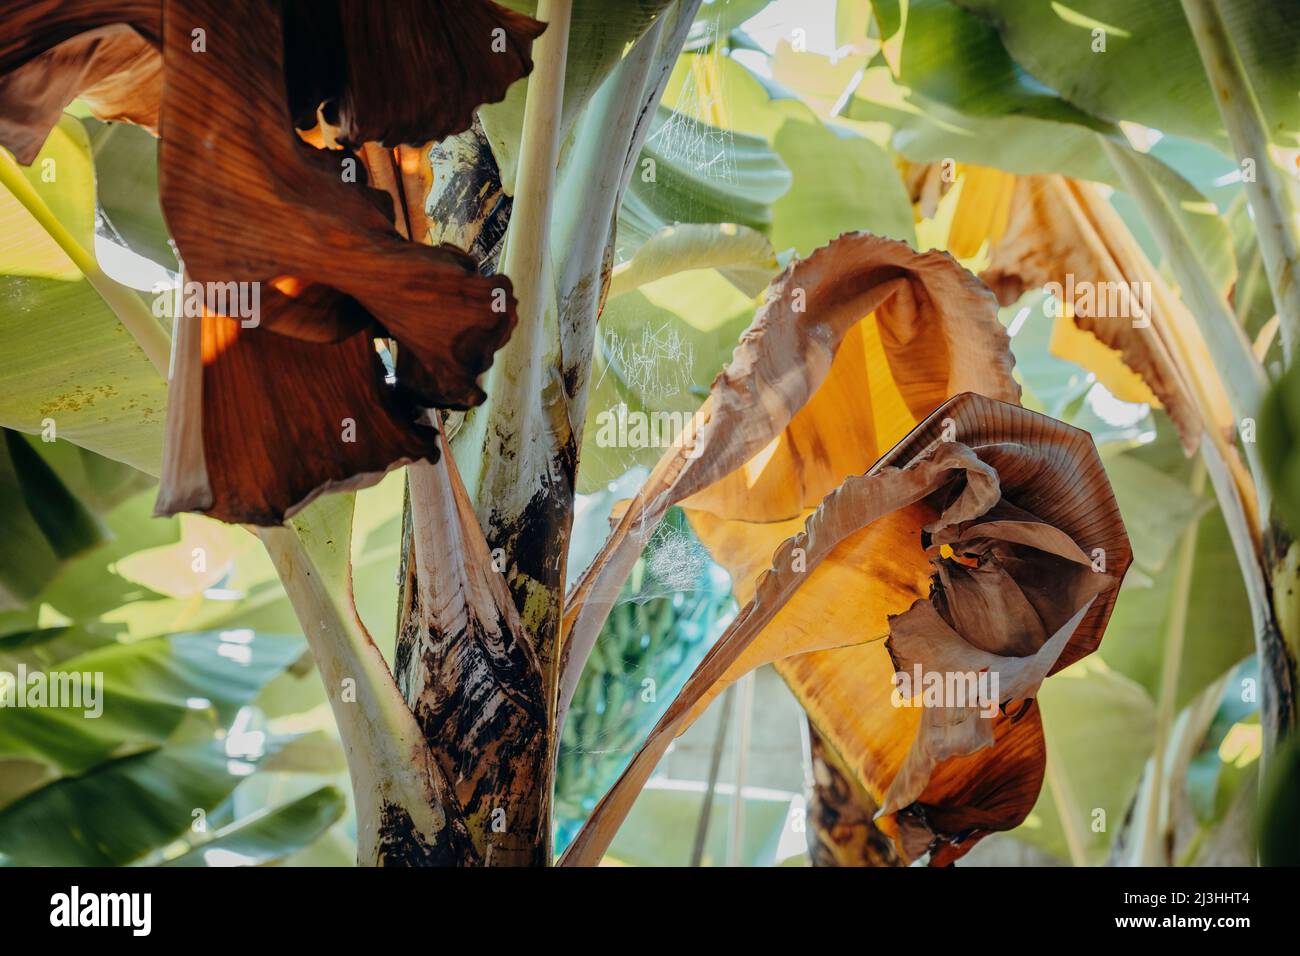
[656, 367]
[654, 362]
[675, 563]
[693, 136]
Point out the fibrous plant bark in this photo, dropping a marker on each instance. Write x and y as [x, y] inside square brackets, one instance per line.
[519, 451]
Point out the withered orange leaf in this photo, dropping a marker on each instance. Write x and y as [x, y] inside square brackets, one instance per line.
[1063, 231]
[1012, 546]
[970, 796]
[259, 425]
[401, 71]
[853, 346]
[1026, 589]
[131, 89]
[1015, 496]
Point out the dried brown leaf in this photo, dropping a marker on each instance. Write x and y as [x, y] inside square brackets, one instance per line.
[1010, 490]
[404, 71]
[112, 68]
[854, 346]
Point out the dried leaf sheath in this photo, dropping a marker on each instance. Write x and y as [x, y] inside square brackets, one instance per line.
[470, 674]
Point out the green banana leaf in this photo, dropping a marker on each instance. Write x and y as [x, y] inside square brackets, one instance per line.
[122, 810]
[42, 524]
[1218, 630]
[1150, 71]
[865, 192]
[66, 362]
[143, 690]
[1279, 426]
[269, 836]
[741, 254]
[1213, 782]
[693, 172]
[1099, 727]
[126, 173]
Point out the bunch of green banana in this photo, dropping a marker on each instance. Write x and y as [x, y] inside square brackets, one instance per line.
[646, 650]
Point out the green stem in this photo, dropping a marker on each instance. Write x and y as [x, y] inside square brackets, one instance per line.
[126, 305]
[1175, 640]
[404, 809]
[1277, 678]
[1066, 810]
[513, 449]
[527, 257]
[1270, 202]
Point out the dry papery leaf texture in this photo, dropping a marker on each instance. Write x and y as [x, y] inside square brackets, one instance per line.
[979, 538]
[284, 240]
[1049, 230]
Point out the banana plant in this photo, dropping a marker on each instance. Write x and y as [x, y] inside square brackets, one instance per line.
[326, 331]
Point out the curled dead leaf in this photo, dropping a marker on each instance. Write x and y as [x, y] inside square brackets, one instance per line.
[404, 71]
[295, 213]
[238, 444]
[250, 204]
[990, 516]
[1023, 504]
[52, 53]
[854, 345]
